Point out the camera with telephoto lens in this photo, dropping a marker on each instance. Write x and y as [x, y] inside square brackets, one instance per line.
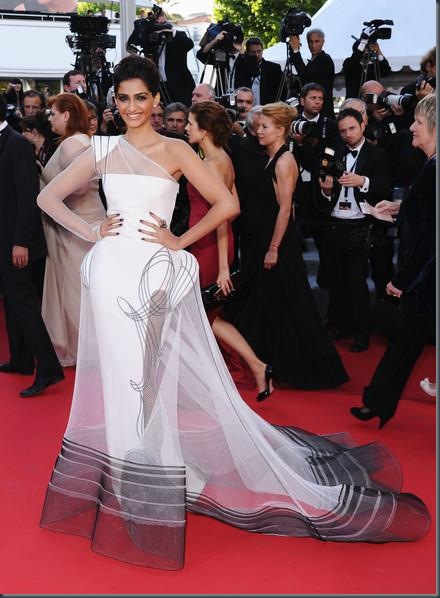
[329, 166]
[293, 23]
[424, 77]
[386, 98]
[378, 29]
[305, 127]
[234, 35]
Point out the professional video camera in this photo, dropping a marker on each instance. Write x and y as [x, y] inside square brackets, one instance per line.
[306, 128]
[89, 33]
[149, 34]
[386, 98]
[234, 35]
[89, 42]
[377, 29]
[329, 166]
[293, 23]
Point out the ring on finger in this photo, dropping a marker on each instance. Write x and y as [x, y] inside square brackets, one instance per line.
[163, 224]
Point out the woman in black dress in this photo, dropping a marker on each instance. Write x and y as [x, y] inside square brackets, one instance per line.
[275, 310]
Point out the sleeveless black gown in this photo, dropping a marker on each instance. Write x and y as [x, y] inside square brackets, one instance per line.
[275, 310]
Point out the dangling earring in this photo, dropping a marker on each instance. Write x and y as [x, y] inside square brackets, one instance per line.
[200, 150]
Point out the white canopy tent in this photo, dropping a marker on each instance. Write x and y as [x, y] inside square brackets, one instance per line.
[413, 32]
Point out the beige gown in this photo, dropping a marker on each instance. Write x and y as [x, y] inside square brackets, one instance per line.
[62, 285]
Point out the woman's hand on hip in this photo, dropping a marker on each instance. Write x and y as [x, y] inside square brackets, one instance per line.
[110, 226]
[158, 233]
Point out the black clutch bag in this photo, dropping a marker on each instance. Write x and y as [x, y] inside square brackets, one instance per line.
[212, 295]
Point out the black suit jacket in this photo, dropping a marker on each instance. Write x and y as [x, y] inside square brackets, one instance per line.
[180, 82]
[319, 70]
[416, 269]
[271, 76]
[20, 217]
[352, 69]
[371, 162]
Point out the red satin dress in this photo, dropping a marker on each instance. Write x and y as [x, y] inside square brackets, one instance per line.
[205, 250]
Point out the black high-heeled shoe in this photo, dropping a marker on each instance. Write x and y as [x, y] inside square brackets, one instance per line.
[367, 415]
[268, 375]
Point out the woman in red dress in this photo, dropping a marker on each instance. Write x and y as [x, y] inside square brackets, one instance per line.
[210, 126]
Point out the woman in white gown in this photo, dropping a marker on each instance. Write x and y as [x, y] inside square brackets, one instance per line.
[157, 426]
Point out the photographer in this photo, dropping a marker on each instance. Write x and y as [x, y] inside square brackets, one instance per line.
[319, 69]
[366, 61]
[423, 85]
[266, 81]
[111, 122]
[222, 47]
[388, 127]
[358, 176]
[168, 48]
[311, 133]
[74, 81]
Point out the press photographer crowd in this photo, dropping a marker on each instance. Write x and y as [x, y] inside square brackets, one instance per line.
[358, 180]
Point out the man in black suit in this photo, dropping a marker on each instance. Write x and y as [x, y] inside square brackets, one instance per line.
[169, 54]
[21, 242]
[365, 63]
[265, 77]
[316, 133]
[347, 240]
[319, 69]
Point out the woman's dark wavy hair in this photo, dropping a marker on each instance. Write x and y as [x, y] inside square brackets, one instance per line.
[37, 121]
[213, 118]
[137, 67]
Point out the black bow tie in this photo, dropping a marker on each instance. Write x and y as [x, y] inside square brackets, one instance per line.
[354, 153]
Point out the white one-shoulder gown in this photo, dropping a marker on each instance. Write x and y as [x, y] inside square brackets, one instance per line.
[157, 426]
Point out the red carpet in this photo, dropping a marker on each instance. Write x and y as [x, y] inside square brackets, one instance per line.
[219, 559]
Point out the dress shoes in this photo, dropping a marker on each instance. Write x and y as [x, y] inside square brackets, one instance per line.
[268, 375]
[41, 384]
[364, 414]
[359, 345]
[336, 333]
[9, 368]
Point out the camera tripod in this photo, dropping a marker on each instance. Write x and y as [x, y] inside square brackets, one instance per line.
[90, 63]
[289, 81]
[219, 75]
[369, 57]
[154, 52]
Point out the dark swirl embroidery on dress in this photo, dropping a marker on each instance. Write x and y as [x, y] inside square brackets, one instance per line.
[156, 302]
[85, 268]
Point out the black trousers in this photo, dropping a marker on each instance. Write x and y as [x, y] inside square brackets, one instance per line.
[29, 342]
[404, 348]
[346, 262]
